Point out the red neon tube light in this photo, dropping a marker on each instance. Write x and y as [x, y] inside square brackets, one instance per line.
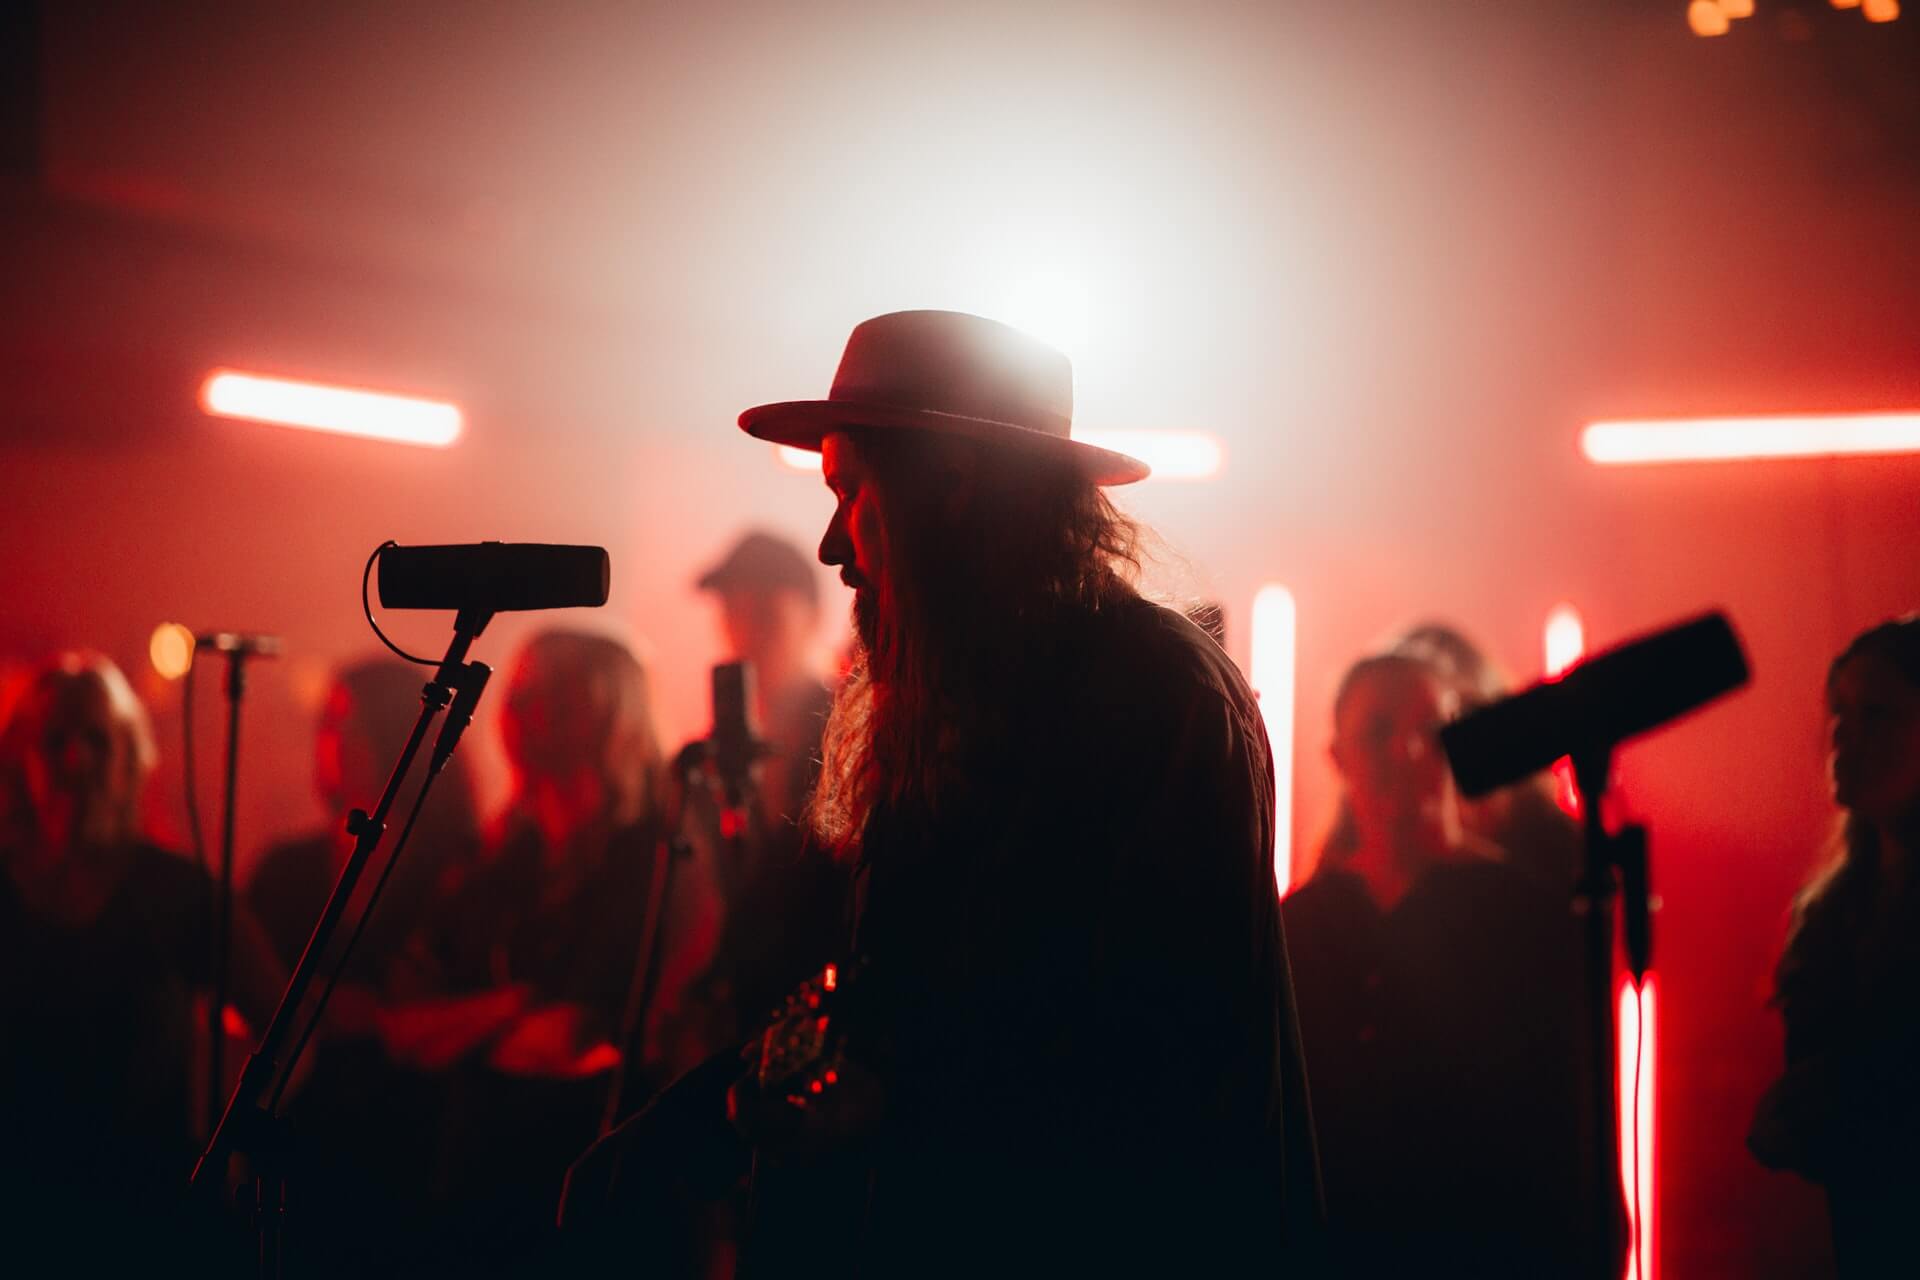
[315, 406]
[1637, 1154]
[1739, 439]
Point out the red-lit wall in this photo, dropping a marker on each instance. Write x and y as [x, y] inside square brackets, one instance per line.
[1403, 253]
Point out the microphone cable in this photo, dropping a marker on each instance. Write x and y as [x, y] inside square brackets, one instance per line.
[366, 607]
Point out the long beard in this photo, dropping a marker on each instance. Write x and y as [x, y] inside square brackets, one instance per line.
[866, 617]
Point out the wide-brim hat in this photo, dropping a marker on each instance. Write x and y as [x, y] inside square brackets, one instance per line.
[949, 372]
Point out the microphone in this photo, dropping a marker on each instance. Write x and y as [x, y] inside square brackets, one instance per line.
[1618, 694]
[735, 740]
[239, 642]
[494, 577]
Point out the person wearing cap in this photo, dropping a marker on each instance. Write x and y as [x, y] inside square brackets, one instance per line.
[786, 900]
[769, 599]
[1063, 1039]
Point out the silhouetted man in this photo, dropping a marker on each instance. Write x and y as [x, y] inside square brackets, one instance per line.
[1063, 1040]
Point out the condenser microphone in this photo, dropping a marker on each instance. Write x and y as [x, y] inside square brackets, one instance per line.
[239, 642]
[494, 577]
[1615, 695]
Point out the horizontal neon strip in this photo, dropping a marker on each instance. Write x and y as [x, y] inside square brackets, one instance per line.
[1173, 455]
[1728, 439]
[318, 407]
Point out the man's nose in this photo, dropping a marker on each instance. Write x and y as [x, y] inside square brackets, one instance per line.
[833, 545]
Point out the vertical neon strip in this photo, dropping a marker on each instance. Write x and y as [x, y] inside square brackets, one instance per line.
[1566, 638]
[1565, 642]
[1637, 1024]
[1275, 622]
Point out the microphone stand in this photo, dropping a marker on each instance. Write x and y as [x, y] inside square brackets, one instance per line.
[1616, 863]
[249, 1125]
[223, 892]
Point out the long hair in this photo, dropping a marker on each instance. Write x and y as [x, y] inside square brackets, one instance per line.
[972, 604]
[1829, 909]
[580, 700]
[59, 689]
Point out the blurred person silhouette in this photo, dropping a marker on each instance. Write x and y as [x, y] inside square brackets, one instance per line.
[540, 946]
[1846, 1113]
[367, 1124]
[1440, 1006]
[105, 939]
[370, 708]
[786, 899]
[769, 605]
[1525, 819]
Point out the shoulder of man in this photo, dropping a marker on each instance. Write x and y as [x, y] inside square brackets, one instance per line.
[1147, 651]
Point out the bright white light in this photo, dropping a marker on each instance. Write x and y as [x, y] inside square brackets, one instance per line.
[1173, 455]
[1727, 439]
[1052, 307]
[1565, 644]
[1566, 638]
[1275, 622]
[1637, 1024]
[318, 407]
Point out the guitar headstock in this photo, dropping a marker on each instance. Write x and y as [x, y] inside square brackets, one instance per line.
[802, 1050]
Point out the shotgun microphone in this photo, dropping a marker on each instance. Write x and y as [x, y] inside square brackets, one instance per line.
[1621, 693]
[493, 577]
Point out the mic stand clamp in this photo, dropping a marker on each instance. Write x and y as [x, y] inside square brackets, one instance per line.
[250, 1126]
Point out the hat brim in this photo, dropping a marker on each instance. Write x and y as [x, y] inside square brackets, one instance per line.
[802, 424]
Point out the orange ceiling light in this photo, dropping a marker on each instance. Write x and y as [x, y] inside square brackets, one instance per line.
[1706, 18]
[316, 406]
[1653, 441]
